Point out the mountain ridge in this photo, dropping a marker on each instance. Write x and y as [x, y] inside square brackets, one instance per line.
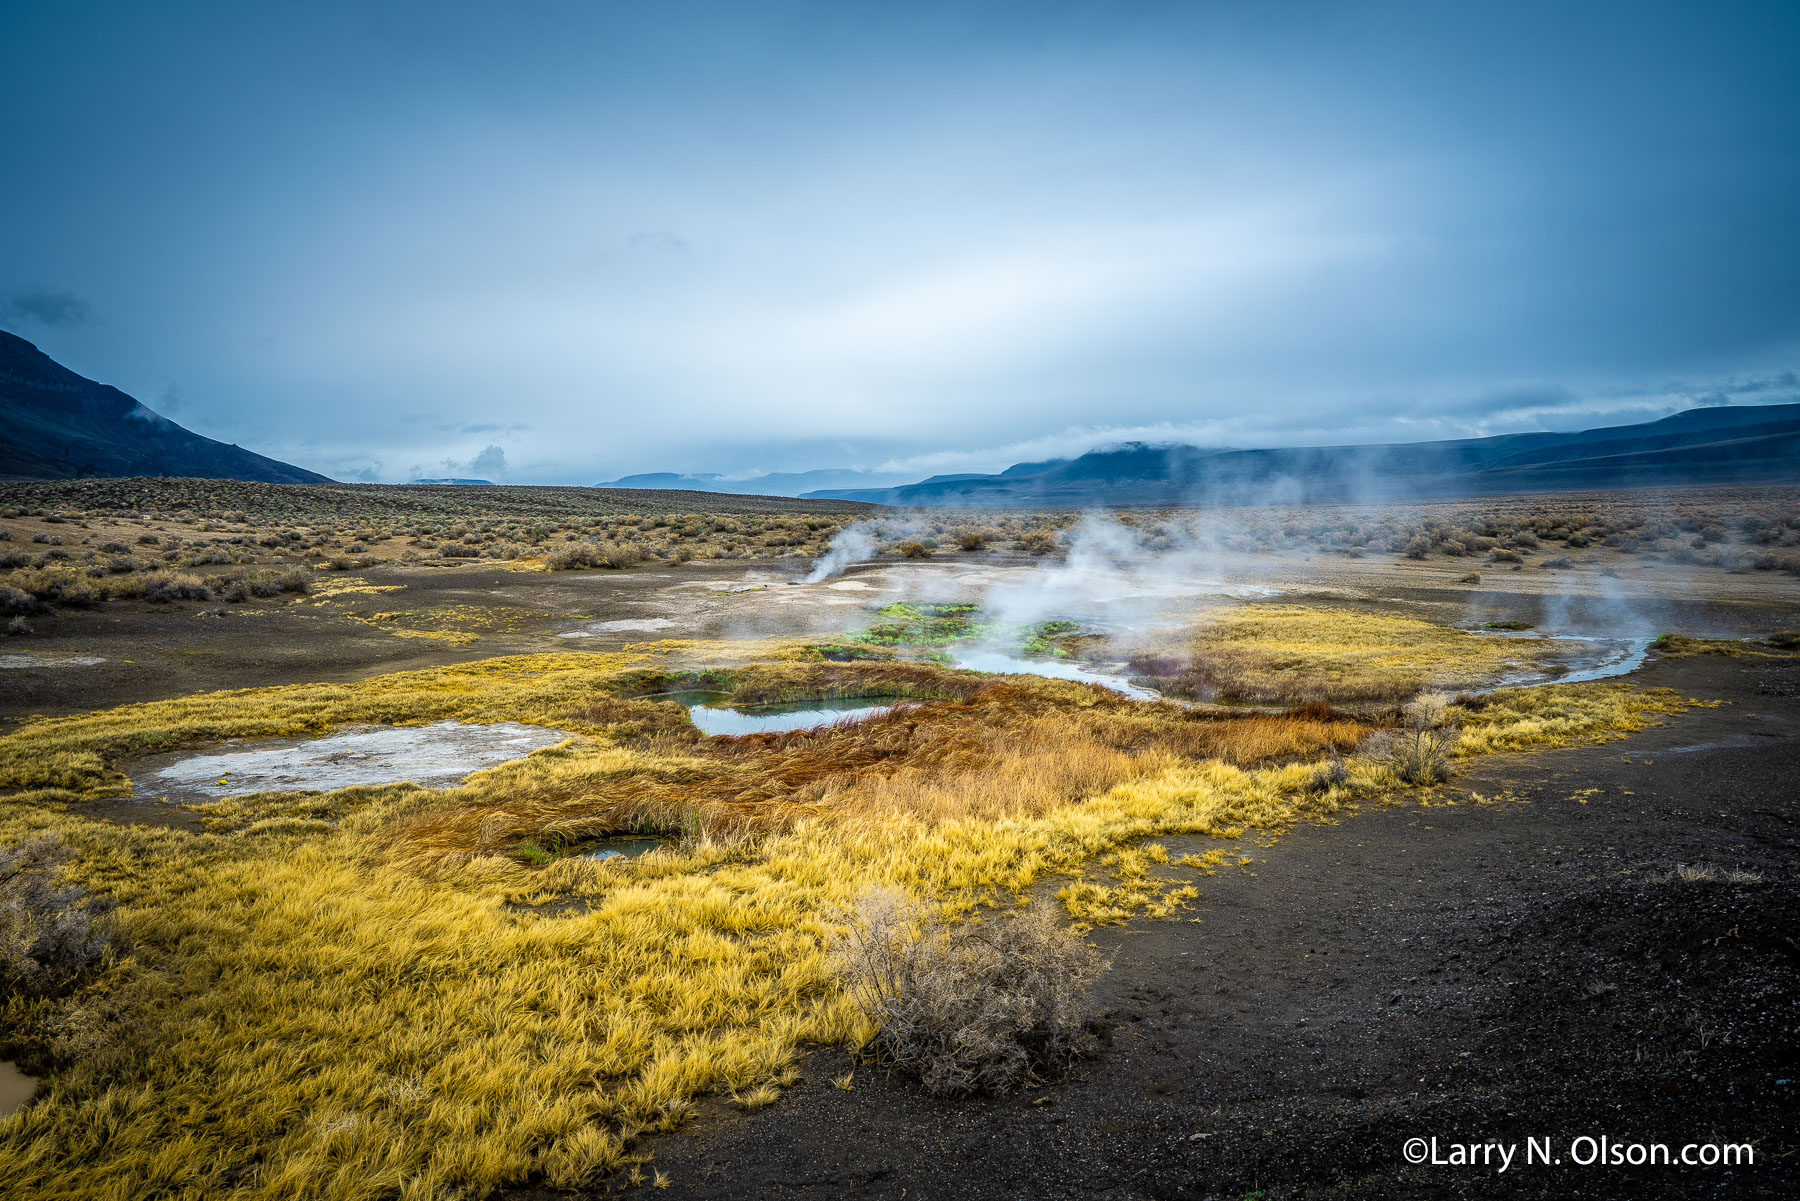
[1715, 445]
[61, 425]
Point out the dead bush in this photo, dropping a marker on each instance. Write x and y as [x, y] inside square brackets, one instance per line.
[1420, 751]
[968, 1008]
[1333, 773]
[48, 935]
[1416, 756]
[13, 602]
[164, 587]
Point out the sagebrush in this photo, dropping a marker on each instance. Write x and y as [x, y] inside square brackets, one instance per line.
[968, 1007]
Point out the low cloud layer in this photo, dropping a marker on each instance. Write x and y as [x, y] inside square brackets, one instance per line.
[45, 307]
[951, 239]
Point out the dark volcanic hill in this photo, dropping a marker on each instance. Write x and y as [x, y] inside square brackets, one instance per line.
[1738, 445]
[55, 424]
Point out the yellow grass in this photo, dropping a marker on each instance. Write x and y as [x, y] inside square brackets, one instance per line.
[366, 995]
[330, 589]
[1292, 653]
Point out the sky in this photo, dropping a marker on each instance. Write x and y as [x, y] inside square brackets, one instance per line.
[563, 242]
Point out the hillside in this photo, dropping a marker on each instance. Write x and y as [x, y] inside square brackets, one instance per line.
[1758, 444]
[55, 424]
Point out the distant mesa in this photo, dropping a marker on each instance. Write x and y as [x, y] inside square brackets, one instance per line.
[489, 483]
[1721, 445]
[775, 483]
[664, 480]
[56, 425]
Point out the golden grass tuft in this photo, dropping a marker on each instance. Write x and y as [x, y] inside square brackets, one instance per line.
[1291, 654]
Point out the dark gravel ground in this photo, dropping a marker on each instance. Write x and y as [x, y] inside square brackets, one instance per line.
[1521, 969]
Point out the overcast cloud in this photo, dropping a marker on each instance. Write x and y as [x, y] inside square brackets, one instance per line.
[572, 241]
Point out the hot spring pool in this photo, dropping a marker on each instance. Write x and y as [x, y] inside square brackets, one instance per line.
[713, 716]
[995, 663]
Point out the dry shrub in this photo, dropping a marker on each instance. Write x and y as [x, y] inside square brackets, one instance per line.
[577, 555]
[1420, 753]
[1417, 756]
[15, 603]
[48, 935]
[163, 587]
[243, 584]
[968, 1008]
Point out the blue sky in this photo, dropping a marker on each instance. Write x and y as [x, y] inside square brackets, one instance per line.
[382, 240]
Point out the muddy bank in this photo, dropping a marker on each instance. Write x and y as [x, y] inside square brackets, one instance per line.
[1519, 969]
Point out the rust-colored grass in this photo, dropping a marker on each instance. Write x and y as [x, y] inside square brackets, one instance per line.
[1004, 749]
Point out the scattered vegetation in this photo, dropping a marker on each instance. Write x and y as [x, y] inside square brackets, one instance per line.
[102, 540]
[1693, 873]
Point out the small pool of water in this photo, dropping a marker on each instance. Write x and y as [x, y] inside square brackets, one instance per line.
[1617, 657]
[1597, 658]
[713, 716]
[433, 756]
[16, 1088]
[995, 663]
[622, 847]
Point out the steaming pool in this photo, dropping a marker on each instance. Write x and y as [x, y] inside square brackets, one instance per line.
[1592, 658]
[995, 663]
[714, 716]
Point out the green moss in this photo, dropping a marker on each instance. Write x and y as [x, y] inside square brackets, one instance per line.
[911, 624]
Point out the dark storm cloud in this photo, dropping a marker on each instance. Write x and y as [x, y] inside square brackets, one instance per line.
[43, 306]
[712, 237]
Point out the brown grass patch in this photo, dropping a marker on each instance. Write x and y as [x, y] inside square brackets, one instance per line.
[1006, 749]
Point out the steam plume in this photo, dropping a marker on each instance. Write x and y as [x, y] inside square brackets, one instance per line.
[853, 544]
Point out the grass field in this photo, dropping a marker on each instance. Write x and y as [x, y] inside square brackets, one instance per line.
[393, 992]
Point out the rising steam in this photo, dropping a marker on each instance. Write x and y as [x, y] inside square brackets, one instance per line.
[853, 544]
